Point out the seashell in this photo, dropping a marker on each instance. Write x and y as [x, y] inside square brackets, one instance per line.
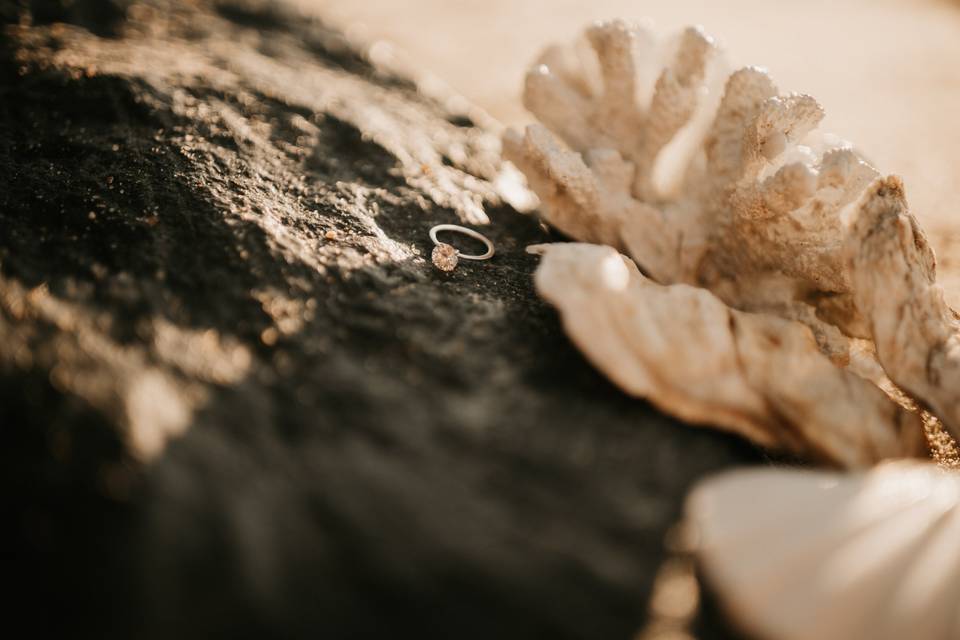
[723, 183]
[917, 334]
[757, 375]
[798, 555]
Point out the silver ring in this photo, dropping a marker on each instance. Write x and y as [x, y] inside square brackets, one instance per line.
[476, 235]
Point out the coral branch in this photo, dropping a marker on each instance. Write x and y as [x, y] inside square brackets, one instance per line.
[735, 191]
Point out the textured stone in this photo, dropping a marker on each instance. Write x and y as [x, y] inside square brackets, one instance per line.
[237, 398]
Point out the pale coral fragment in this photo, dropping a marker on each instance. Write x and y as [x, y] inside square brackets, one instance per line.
[803, 265]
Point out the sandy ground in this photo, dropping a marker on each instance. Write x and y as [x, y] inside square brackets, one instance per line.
[887, 71]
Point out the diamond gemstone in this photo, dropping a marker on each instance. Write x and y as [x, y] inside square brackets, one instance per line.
[444, 256]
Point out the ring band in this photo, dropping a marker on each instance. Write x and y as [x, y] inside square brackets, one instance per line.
[476, 235]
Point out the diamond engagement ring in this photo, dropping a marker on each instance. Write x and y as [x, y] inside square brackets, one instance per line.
[445, 257]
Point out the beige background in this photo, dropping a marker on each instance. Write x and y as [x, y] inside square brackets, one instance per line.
[887, 71]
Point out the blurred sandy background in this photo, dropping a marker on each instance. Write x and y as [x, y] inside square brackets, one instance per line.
[886, 71]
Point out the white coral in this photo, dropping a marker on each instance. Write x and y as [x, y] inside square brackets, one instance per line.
[732, 188]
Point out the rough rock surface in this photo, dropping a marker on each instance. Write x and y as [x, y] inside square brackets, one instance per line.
[237, 398]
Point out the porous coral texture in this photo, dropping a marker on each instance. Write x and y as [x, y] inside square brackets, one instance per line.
[721, 183]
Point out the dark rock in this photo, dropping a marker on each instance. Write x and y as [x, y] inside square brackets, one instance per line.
[239, 401]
